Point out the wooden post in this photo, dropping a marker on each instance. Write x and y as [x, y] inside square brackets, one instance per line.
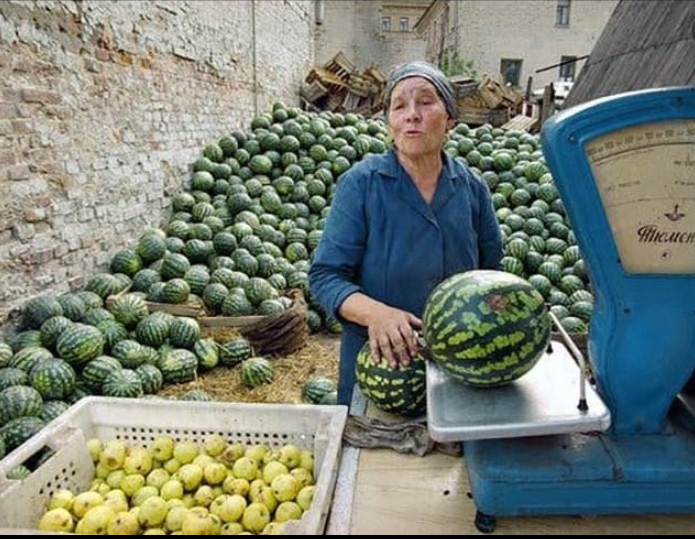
[528, 109]
[548, 104]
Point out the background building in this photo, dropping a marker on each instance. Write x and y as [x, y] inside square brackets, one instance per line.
[380, 33]
[516, 39]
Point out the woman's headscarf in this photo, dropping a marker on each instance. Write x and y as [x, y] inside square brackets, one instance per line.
[428, 72]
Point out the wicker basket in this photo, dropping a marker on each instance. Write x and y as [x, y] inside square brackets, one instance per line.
[275, 334]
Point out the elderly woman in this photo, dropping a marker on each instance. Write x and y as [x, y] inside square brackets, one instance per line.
[399, 224]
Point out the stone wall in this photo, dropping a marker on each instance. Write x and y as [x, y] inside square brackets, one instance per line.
[104, 105]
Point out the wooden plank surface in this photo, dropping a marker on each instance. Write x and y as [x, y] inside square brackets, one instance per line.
[410, 495]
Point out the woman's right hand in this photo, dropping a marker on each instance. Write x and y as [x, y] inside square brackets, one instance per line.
[392, 335]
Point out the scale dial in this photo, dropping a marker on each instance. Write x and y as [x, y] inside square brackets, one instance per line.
[646, 179]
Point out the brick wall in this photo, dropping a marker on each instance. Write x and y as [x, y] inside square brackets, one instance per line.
[104, 106]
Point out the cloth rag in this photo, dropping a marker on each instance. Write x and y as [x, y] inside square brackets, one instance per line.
[403, 437]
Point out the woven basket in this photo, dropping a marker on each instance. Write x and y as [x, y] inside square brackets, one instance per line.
[275, 334]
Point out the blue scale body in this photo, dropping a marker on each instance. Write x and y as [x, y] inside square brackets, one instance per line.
[641, 348]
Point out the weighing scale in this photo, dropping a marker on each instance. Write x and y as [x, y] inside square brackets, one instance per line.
[625, 169]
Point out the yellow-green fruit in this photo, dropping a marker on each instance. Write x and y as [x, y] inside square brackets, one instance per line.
[154, 531]
[95, 521]
[232, 453]
[245, 468]
[288, 511]
[113, 455]
[132, 483]
[175, 516]
[231, 528]
[304, 477]
[203, 496]
[228, 508]
[156, 478]
[185, 452]
[256, 452]
[255, 489]
[203, 460]
[214, 445]
[143, 494]
[138, 461]
[195, 523]
[305, 497]
[153, 511]
[124, 523]
[215, 473]
[267, 497]
[162, 449]
[56, 520]
[116, 500]
[191, 475]
[94, 447]
[256, 517]
[172, 490]
[306, 461]
[175, 503]
[115, 478]
[61, 499]
[188, 500]
[101, 471]
[272, 470]
[271, 456]
[290, 456]
[236, 485]
[285, 487]
[172, 466]
[273, 528]
[84, 501]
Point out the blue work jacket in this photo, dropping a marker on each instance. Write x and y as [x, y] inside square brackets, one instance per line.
[382, 239]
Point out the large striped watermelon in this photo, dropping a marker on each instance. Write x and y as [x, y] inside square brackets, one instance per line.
[486, 328]
[399, 391]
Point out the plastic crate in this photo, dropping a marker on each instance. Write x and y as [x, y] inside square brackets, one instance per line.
[139, 422]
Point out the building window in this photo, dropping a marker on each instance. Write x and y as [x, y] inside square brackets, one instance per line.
[562, 15]
[568, 65]
[404, 25]
[385, 24]
[511, 71]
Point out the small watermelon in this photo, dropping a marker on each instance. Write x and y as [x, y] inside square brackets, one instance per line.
[399, 391]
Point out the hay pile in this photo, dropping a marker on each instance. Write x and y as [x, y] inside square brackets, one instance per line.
[319, 357]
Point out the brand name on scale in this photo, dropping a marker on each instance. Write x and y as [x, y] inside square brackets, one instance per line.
[653, 234]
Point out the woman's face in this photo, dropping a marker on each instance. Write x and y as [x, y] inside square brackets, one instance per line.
[417, 118]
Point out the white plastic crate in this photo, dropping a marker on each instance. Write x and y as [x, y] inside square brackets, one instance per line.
[139, 422]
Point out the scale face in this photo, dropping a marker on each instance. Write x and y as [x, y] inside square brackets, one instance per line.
[645, 176]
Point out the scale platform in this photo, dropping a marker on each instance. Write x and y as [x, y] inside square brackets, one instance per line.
[542, 402]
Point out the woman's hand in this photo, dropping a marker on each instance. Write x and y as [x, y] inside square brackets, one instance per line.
[391, 330]
[392, 335]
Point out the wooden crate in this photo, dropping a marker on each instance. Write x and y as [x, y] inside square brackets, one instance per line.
[341, 66]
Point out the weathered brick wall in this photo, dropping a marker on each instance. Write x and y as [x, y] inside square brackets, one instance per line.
[104, 105]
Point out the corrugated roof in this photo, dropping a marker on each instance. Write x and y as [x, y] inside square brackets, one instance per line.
[645, 44]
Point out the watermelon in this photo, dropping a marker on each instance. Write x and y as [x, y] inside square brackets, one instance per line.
[256, 371]
[486, 328]
[315, 389]
[399, 391]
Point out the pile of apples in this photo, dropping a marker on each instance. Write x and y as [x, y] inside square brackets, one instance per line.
[186, 488]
